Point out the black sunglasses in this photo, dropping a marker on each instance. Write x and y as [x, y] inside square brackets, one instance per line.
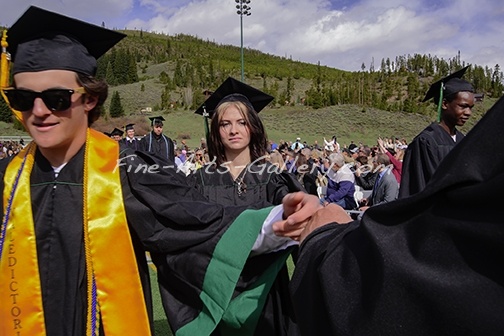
[54, 99]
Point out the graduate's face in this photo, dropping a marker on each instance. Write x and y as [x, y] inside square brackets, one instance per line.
[458, 111]
[56, 131]
[233, 129]
[130, 133]
[158, 129]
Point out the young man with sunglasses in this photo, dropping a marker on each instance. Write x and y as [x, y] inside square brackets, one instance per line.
[78, 212]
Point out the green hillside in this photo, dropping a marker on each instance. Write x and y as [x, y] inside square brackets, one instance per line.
[169, 73]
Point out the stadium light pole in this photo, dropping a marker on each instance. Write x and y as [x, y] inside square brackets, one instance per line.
[243, 8]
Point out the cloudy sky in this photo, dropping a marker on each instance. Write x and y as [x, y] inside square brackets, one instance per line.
[338, 33]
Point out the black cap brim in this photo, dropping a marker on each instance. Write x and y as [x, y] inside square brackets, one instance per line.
[258, 99]
[116, 131]
[158, 119]
[435, 88]
[129, 126]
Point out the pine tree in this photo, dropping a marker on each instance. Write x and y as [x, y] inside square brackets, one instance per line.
[273, 90]
[211, 73]
[102, 64]
[166, 98]
[290, 88]
[121, 67]
[116, 109]
[132, 69]
[178, 77]
[497, 78]
[109, 75]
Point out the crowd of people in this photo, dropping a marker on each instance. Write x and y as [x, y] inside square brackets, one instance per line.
[313, 166]
[80, 210]
[10, 148]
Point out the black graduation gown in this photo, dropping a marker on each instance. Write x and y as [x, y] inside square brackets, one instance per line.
[57, 213]
[165, 215]
[430, 264]
[309, 179]
[133, 144]
[423, 156]
[261, 184]
[160, 145]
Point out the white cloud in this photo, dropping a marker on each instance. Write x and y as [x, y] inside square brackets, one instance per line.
[94, 11]
[311, 30]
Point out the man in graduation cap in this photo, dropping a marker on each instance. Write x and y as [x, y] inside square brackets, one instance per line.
[454, 98]
[130, 141]
[116, 134]
[156, 142]
[72, 258]
[430, 264]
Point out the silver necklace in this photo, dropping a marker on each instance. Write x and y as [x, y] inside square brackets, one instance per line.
[241, 187]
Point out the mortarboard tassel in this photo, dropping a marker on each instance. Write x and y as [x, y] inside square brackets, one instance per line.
[440, 102]
[206, 116]
[5, 71]
[5, 60]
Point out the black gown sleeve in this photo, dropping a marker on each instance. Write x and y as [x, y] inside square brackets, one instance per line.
[420, 162]
[171, 148]
[192, 242]
[281, 184]
[429, 264]
[166, 213]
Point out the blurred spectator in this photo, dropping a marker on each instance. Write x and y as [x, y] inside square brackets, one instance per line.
[340, 187]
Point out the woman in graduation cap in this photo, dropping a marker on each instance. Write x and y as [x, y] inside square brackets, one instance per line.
[78, 213]
[239, 175]
[454, 98]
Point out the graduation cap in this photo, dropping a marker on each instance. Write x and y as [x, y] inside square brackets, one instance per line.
[43, 40]
[129, 126]
[233, 90]
[157, 120]
[447, 86]
[116, 131]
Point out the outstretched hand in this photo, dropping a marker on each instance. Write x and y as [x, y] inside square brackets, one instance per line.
[381, 145]
[332, 213]
[298, 209]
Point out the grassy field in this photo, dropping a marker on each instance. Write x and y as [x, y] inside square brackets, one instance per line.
[347, 122]
[161, 327]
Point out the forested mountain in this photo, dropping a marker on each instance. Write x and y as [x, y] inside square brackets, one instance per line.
[188, 65]
[168, 74]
